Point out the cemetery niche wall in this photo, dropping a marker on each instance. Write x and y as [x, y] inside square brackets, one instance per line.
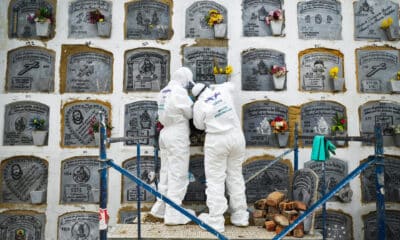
[18, 224]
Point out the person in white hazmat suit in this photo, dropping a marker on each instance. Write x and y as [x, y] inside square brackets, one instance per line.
[224, 151]
[174, 112]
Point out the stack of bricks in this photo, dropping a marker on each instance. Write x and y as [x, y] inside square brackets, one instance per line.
[275, 213]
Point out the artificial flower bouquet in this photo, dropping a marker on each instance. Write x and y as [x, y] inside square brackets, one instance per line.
[215, 19]
[275, 20]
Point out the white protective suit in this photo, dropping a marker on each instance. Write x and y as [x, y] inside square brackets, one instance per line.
[224, 150]
[174, 112]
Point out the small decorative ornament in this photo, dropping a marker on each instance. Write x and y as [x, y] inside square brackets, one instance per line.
[275, 21]
[395, 83]
[278, 76]
[222, 73]
[338, 82]
[42, 18]
[280, 128]
[215, 19]
[103, 26]
[386, 27]
[39, 131]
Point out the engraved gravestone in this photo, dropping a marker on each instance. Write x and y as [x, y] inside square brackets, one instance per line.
[253, 16]
[201, 60]
[305, 182]
[376, 66]
[79, 23]
[140, 119]
[80, 180]
[276, 177]
[314, 69]
[196, 23]
[30, 69]
[320, 19]
[77, 117]
[18, 118]
[256, 122]
[78, 225]
[392, 181]
[197, 180]
[392, 224]
[21, 225]
[146, 69]
[368, 17]
[20, 176]
[317, 116]
[197, 136]
[127, 216]
[149, 173]
[256, 69]
[338, 225]
[148, 19]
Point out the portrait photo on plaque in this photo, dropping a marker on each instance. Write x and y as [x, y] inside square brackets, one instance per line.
[392, 225]
[22, 224]
[78, 225]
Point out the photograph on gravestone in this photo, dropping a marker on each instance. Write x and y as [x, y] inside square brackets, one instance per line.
[317, 117]
[26, 18]
[197, 20]
[140, 122]
[257, 117]
[81, 24]
[392, 224]
[77, 120]
[305, 184]
[149, 173]
[257, 74]
[315, 67]
[202, 60]
[127, 215]
[148, 19]
[392, 181]
[196, 191]
[146, 69]
[320, 19]
[197, 136]
[254, 14]
[369, 15]
[80, 180]
[86, 70]
[78, 225]
[18, 122]
[30, 69]
[339, 225]
[376, 67]
[22, 225]
[23, 178]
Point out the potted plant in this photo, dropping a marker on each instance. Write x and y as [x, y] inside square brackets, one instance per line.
[338, 82]
[103, 26]
[275, 20]
[278, 76]
[396, 135]
[385, 26]
[280, 128]
[94, 130]
[42, 18]
[395, 83]
[39, 132]
[221, 74]
[215, 19]
[339, 128]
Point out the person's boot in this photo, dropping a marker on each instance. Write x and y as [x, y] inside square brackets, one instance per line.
[215, 222]
[158, 209]
[173, 217]
[240, 218]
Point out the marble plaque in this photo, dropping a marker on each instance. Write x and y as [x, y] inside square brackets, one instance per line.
[18, 10]
[197, 136]
[376, 66]
[17, 120]
[201, 60]
[80, 180]
[368, 16]
[320, 19]
[30, 69]
[276, 177]
[314, 69]
[392, 181]
[140, 118]
[196, 191]
[253, 16]
[256, 122]
[196, 24]
[78, 225]
[127, 216]
[305, 182]
[22, 225]
[79, 25]
[76, 120]
[146, 69]
[338, 225]
[316, 118]
[20, 175]
[148, 19]
[392, 223]
[256, 69]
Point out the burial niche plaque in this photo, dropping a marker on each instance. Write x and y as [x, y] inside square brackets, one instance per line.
[30, 69]
[76, 119]
[22, 175]
[392, 224]
[85, 70]
[148, 19]
[146, 69]
[201, 60]
[80, 180]
[22, 225]
[127, 216]
[315, 65]
[79, 22]
[376, 66]
[196, 191]
[18, 119]
[320, 19]
[78, 225]
[338, 225]
[305, 183]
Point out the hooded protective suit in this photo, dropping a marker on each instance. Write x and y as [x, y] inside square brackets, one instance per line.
[174, 112]
[224, 150]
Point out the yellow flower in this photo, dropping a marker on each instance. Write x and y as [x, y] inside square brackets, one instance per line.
[385, 24]
[333, 72]
[215, 70]
[221, 71]
[214, 17]
[398, 75]
[228, 69]
[212, 11]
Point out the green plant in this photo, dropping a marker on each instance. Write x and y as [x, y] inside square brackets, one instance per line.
[339, 123]
[38, 124]
[43, 14]
[95, 127]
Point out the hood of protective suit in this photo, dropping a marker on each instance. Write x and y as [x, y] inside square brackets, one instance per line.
[198, 89]
[183, 76]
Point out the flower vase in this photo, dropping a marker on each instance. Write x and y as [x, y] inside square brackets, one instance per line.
[42, 29]
[340, 143]
[97, 138]
[389, 34]
[338, 84]
[279, 82]
[96, 195]
[39, 137]
[283, 138]
[396, 140]
[103, 29]
[221, 78]
[395, 86]
[220, 30]
[276, 27]
[38, 197]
